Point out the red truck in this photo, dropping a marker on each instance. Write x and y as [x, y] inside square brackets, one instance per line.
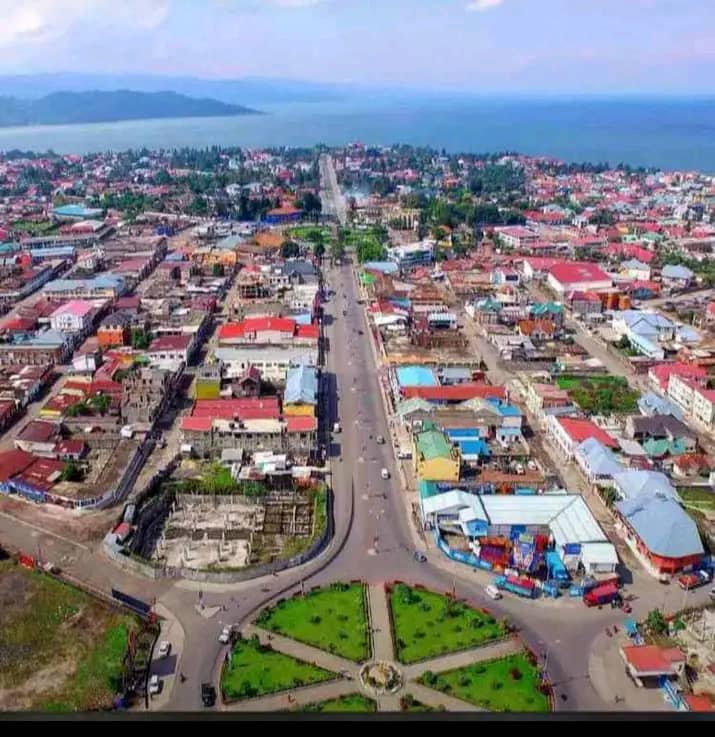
[692, 580]
[603, 594]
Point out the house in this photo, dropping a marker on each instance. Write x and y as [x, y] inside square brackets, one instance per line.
[170, 352]
[248, 384]
[412, 255]
[39, 437]
[546, 396]
[538, 329]
[703, 409]
[453, 394]
[115, 330]
[659, 375]
[75, 316]
[651, 404]
[677, 276]
[435, 457]
[577, 276]
[104, 286]
[634, 269]
[661, 427]
[516, 236]
[597, 462]
[649, 664]
[258, 331]
[301, 391]
[565, 433]
[273, 363]
[682, 392]
[585, 303]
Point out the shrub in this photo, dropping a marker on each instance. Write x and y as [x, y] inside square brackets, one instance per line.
[497, 685]
[465, 681]
[429, 678]
[516, 674]
[315, 619]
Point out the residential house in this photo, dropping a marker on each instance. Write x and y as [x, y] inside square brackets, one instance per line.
[301, 391]
[597, 462]
[436, 459]
[170, 352]
[677, 276]
[565, 433]
[115, 330]
[573, 276]
[75, 316]
[659, 375]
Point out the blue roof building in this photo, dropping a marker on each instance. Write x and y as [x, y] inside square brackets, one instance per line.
[385, 267]
[651, 404]
[301, 386]
[633, 483]
[598, 463]
[77, 212]
[677, 272]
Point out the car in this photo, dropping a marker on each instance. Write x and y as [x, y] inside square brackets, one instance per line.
[420, 557]
[380, 440]
[385, 473]
[336, 427]
[360, 332]
[225, 636]
[712, 594]
[154, 685]
[164, 648]
[208, 694]
[492, 592]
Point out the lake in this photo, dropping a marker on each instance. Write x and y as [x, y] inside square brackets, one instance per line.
[666, 133]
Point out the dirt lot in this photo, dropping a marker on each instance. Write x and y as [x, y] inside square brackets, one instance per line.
[60, 650]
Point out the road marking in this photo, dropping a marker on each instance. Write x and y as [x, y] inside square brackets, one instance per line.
[45, 532]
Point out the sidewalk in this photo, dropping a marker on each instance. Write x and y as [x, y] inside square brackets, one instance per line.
[167, 668]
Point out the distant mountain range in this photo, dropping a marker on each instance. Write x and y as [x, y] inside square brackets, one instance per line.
[246, 91]
[59, 108]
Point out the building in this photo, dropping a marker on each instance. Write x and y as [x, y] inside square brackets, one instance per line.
[659, 375]
[258, 331]
[649, 664]
[703, 410]
[677, 276]
[75, 316]
[597, 462]
[516, 236]
[170, 352]
[436, 459]
[273, 363]
[573, 276]
[565, 433]
[301, 391]
[104, 286]
[39, 437]
[146, 393]
[115, 330]
[412, 255]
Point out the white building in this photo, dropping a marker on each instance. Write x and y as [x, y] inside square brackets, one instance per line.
[75, 316]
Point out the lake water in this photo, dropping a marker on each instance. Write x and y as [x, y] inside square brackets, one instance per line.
[671, 134]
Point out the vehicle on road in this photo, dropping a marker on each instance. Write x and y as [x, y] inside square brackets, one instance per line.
[492, 592]
[360, 332]
[336, 427]
[420, 557]
[164, 648]
[712, 594]
[604, 594]
[225, 636]
[208, 694]
[385, 473]
[380, 440]
[154, 685]
[693, 580]
[520, 586]
[345, 313]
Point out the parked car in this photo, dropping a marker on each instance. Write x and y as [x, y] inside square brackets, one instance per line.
[693, 580]
[164, 648]
[420, 557]
[380, 440]
[336, 427]
[208, 694]
[385, 473]
[154, 685]
[225, 636]
[492, 592]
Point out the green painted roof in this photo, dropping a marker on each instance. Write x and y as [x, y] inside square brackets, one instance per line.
[427, 489]
[406, 406]
[659, 448]
[433, 444]
[367, 278]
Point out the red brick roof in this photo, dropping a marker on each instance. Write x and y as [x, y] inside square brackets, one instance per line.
[663, 372]
[197, 424]
[38, 431]
[245, 408]
[170, 343]
[301, 423]
[579, 430]
[454, 393]
[256, 325]
[308, 331]
[13, 462]
[652, 659]
[575, 272]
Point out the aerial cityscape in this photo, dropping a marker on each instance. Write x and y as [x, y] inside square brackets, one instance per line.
[363, 427]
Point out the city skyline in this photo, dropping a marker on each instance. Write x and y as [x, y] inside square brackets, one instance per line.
[477, 46]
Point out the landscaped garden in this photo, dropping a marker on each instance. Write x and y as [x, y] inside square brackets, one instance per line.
[332, 619]
[427, 624]
[354, 703]
[257, 670]
[409, 703]
[507, 684]
[600, 394]
[60, 649]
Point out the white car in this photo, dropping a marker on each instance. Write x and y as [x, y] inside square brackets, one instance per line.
[385, 473]
[492, 591]
[225, 636]
[164, 648]
[154, 685]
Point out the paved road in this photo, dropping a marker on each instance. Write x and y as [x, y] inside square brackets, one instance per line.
[330, 194]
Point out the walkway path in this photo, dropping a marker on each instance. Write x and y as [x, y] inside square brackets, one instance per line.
[380, 621]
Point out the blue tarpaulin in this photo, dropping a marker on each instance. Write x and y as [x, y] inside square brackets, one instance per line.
[555, 566]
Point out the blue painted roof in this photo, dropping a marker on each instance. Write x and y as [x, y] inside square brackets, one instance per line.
[599, 458]
[462, 432]
[652, 404]
[662, 524]
[634, 483]
[103, 281]
[677, 271]
[77, 211]
[386, 267]
[473, 447]
[301, 385]
[505, 410]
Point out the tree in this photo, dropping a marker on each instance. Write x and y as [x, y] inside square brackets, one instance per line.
[290, 249]
[337, 249]
[141, 339]
[100, 403]
[656, 622]
[71, 472]
[310, 204]
[318, 249]
[217, 270]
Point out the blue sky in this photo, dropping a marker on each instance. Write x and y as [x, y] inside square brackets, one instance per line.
[558, 46]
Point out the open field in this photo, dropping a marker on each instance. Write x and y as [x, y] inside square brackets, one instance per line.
[427, 624]
[331, 619]
[600, 394]
[257, 670]
[60, 650]
[506, 684]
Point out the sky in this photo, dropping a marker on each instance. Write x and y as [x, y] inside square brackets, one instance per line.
[480, 46]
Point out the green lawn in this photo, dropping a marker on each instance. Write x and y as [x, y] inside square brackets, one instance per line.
[506, 684]
[310, 233]
[702, 498]
[331, 619]
[409, 704]
[600, 394]
[354, 703]
[255, 670]
[47, 626]
[428, 624]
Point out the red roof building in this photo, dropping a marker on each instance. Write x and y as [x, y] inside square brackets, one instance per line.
[454, 392]
[660, 374]
[258, 330]
[572, 275]
[243, 408]
[651, 661]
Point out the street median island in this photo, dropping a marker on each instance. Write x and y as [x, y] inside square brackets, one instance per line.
[60, 649]
[427, 625]
[333, 619]
[254, 670]
[511, 683]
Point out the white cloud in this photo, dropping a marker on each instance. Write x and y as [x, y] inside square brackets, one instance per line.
[39, 20]
[481, 5]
